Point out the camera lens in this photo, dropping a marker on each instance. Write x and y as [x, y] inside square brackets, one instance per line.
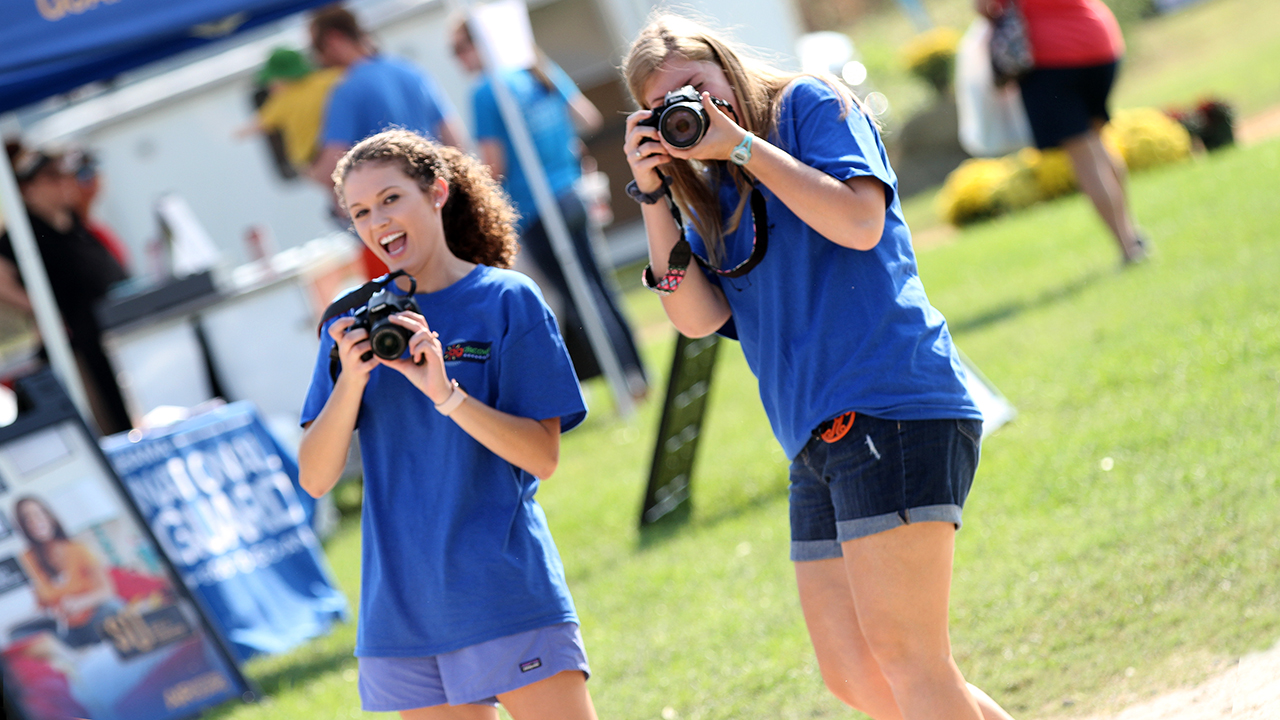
[388, 343]
[683, 125]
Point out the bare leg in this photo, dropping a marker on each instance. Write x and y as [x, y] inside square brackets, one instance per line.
[1101, 180]
[562, 696]
[849, 668]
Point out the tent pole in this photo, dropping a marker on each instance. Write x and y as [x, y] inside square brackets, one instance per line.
[36, 280]
[553, 221]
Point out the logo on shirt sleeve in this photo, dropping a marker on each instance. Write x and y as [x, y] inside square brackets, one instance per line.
[468, 351]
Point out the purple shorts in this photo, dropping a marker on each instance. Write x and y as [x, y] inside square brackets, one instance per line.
[474, 675]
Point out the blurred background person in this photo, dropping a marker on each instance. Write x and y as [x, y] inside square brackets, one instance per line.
[84, 186]
[376, 93]
[80, 269]
[1076, 46]
[554, 111]
[295, 104]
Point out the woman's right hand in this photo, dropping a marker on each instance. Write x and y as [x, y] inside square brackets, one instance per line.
[644, 157]
[353, 345]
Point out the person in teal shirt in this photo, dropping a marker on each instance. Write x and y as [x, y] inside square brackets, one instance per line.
[554, 109]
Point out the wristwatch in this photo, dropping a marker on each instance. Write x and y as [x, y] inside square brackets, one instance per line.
[742, 153]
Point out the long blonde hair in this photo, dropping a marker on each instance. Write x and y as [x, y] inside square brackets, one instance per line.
[758, 88]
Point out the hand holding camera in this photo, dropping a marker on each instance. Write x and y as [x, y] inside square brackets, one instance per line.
[387, 339]
[683, 121]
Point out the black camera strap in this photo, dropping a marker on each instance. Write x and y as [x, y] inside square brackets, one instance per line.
[759, 245]
[352, 300]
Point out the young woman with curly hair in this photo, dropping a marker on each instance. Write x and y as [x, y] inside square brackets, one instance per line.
[797, 247]
[463, 601]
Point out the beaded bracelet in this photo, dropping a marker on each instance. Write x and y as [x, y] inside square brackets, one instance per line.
[677, 266]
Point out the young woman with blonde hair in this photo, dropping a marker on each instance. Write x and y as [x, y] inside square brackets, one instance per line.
[796, 246]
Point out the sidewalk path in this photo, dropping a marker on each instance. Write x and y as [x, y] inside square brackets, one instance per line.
[1262, 126]
[1249, 690]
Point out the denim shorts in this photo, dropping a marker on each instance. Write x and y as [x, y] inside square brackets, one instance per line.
[474, 675]
[881, 474]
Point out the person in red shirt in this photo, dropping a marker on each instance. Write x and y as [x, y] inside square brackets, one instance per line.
[1076, 46]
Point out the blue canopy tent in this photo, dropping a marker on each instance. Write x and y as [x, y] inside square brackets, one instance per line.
[48, 47]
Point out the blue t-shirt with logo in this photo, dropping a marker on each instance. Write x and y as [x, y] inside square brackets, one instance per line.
[378, 93]
[456, 550]
[546, 114]
[828, 329]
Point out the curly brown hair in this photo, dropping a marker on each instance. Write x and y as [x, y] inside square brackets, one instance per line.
[479, 221]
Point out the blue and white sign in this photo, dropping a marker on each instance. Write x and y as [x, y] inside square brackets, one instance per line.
[221, 496]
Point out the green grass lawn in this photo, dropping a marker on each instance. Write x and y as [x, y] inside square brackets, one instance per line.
[1121, 537]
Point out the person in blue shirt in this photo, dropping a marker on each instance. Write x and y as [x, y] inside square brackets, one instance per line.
[554, 111]
[463, 600]
[377, 92]
[796, 227]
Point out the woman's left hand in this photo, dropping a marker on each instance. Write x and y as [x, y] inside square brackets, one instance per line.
[425, 365]
[723, 135]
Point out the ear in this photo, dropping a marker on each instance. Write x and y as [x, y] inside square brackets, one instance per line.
[439, 192]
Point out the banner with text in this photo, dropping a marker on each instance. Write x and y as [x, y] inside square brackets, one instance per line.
[93, 621]
[222, 498]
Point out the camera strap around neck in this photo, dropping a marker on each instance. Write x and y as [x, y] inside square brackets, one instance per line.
[352, 300]
[682, 253]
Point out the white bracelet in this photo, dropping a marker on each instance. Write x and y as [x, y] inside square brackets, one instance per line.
[455, 399]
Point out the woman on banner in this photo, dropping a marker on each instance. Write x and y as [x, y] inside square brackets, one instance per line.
[69, 580]
[463, 602]
[801, 252]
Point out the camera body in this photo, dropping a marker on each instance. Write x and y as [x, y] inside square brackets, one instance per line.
[680, 119]
[387, 339]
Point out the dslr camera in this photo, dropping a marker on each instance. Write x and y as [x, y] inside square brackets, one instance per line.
[681, 120]
[387, 339]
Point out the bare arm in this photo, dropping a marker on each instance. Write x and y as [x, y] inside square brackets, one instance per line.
[990, 9]
[697, 308]
[492, 154]
[529, 444]
[11, 291]
[532, 445]
[586, 117]
[322, 169]
[850, 213]
[322, 454]
[450, 132]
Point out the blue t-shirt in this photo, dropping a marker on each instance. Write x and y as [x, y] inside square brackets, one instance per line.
[378, 93]
[828, 329]
[456, 551]
[546, 114]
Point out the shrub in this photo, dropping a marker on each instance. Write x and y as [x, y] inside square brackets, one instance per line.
[931, 56]
[1147, 137]
[984, 188]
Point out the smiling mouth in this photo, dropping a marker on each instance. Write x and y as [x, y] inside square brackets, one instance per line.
[393, 244]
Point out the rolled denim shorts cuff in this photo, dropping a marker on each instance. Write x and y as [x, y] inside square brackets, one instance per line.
[847, 530]
[805, 550]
